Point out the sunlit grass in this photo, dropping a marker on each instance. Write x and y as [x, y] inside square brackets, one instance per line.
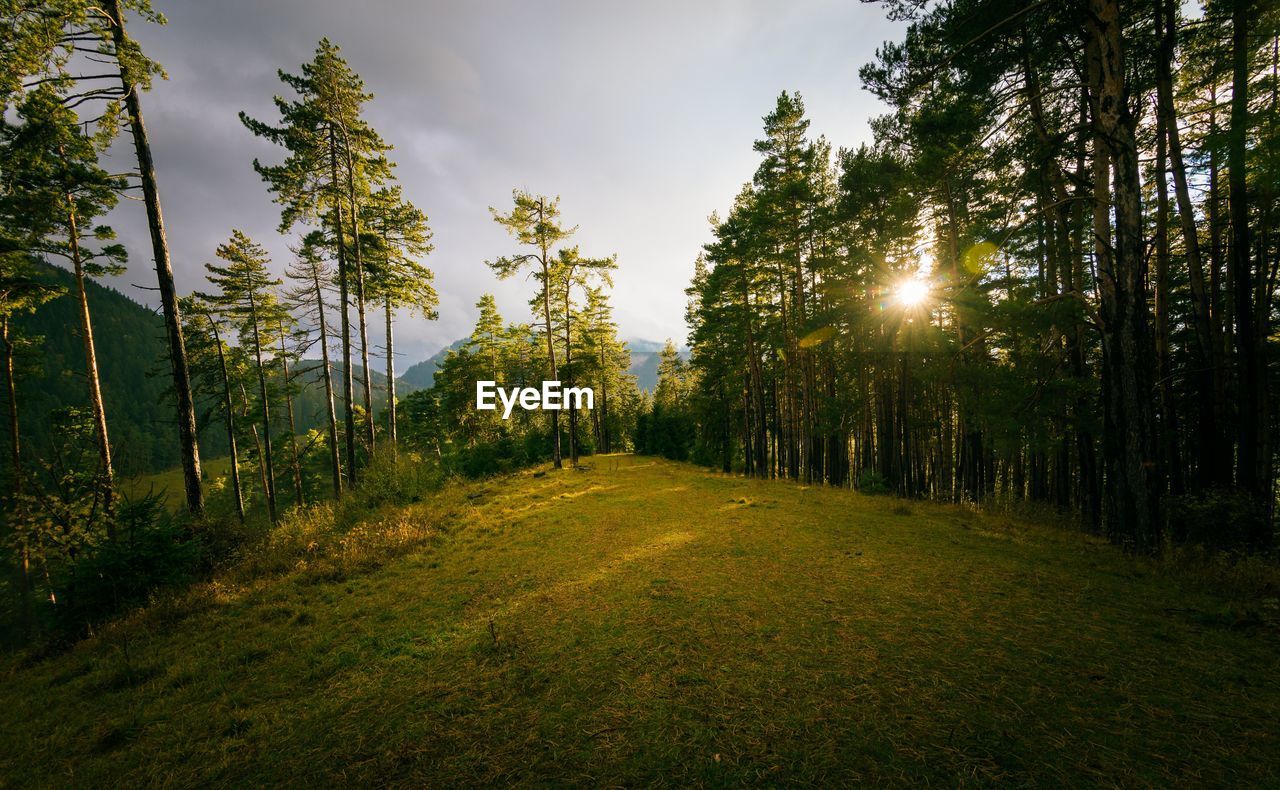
[170, 486]
[644, 622]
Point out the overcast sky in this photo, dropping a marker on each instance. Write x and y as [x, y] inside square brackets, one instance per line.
[640, 116]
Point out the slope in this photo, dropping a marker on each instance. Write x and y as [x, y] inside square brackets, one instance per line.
[132, 362]
[645, 621]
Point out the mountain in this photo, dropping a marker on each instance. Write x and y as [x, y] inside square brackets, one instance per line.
[423, 374]
[642, 345]
[308, 404]
[644, 364]
[132, 364]
[134, 369]
[645, 355]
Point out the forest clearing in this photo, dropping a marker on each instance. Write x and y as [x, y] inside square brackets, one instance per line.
[615, 394]
[648, 621]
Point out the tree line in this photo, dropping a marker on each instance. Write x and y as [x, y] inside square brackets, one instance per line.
[242, 349]
[1050, 278]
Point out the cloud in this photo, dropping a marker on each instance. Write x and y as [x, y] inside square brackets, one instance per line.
[640, 115]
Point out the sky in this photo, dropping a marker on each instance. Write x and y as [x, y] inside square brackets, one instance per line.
[640, 116]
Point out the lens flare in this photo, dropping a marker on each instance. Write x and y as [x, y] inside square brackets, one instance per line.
[911, 292]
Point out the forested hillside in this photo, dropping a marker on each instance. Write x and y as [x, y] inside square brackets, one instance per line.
[135, 386]
[134, 383]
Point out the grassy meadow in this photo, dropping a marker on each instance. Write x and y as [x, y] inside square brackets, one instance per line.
[644, 621]
[168, 485]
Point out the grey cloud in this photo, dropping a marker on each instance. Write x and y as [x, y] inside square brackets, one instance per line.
[640, 115]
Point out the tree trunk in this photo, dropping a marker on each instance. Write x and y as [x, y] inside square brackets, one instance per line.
[391, 378]
[187, 430]
[1248, 462]
[96, 407]
[11, 395]
[15, 459]
[1133, 487]
[293, 428]
[1212, 465]
[604, 399]
[1171, 455]
[568, 366]
[236, 489]
[348, 396]
[551, 345]
[269, 469]
[361, 317]
[335, 460]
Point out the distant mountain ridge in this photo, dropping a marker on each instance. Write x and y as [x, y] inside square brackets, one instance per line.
[645, 355]
[136, 387]
[423, 374]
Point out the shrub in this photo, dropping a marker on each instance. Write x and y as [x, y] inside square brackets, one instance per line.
[1218, 520]
[874, 483]
[150, 550]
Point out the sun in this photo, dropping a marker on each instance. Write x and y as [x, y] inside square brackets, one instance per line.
[911, 292]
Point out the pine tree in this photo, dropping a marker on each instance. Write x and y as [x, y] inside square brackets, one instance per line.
[570, 270]
[334, 158]
[313, 279]
[53, 190]
[399, 237]
[246, 296]
[208, 354]
[534, 222]
[136, 72]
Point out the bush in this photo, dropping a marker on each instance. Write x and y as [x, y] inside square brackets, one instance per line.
[1219, 521]
[150, 550]
[874, 483]
[392, 479]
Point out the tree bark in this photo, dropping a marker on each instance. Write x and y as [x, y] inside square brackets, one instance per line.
[15, 459]
[335, 459]
[187, 430]
[1249, 287]
[1212, 464]
[568, 364]
[391, 378]
[1133, 486]
[11, 395]
[348, 396]
[96, 407]
[237, 490]
[269, 482]
[1171, 455]
[293, 427]
[551, 344]
[1239, 262]
[361, 317]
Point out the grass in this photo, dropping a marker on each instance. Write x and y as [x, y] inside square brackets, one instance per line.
[649, 622]
[169, 484]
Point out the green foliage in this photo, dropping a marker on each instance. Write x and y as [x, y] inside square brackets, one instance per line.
[52, 188]
[1217, 520]
[873, 483]
[152, 550]
[324, 136]
[81, 562]
[397, 236]
[133, 367]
